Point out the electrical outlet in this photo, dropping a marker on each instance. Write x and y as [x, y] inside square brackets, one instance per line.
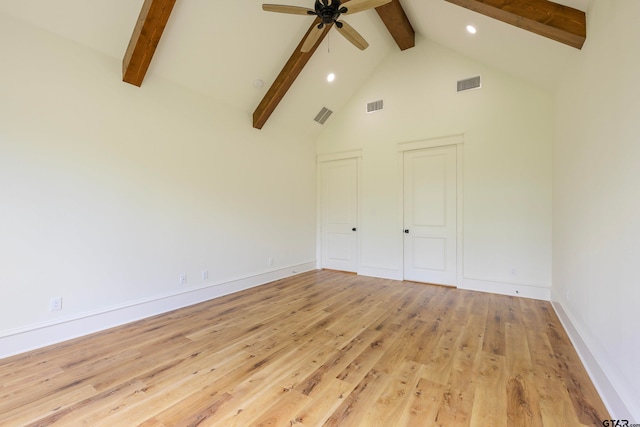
[514, 272]
[183, 279]
[205, 274]
[55, 304]
[270, 261]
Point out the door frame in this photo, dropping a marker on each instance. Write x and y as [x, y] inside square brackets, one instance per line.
[458, 141]
[330, 157]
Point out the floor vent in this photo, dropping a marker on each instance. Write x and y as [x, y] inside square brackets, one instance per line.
[374, 106]
[323, 115]
[468, 84]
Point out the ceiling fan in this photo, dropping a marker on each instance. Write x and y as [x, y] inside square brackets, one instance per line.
[329, 13]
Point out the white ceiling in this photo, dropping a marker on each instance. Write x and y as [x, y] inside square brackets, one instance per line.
[219, 48]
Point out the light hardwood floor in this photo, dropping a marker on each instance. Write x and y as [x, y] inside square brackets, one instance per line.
[319, 349]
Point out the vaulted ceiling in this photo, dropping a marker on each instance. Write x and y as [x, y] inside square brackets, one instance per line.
[220, 49]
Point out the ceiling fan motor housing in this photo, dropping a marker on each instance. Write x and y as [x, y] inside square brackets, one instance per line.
[328, 13]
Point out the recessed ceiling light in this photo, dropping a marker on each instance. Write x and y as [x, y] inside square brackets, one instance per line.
[331, 77]
[257, 83]
[471, 29]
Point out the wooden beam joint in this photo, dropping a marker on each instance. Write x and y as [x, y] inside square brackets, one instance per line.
[396, 21]
[391, 14]
[287, 76]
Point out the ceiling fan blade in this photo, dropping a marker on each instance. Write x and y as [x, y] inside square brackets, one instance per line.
[281, 8]
[311, 39]
[352, 35]
[355, 6]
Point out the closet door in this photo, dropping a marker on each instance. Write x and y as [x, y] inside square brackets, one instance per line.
[430, 215]
[339, 211]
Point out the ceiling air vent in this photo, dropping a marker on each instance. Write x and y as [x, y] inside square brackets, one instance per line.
[323, 115]
[374, 106]
[468, 84]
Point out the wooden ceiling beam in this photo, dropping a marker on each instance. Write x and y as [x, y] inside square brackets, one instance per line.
[552, 20]
[394, 17]
[146, 36]
[285, 79]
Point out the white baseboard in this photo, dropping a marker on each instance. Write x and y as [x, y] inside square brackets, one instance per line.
[609, 394]
[381, 273]
[534, 291]
[43, 334]
[540, 292]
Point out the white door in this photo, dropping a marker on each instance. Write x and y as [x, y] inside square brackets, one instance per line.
[430, 215]
[339, 211]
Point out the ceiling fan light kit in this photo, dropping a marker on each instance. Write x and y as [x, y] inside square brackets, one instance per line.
[329, 14]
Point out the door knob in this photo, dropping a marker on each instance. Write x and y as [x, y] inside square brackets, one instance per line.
[406, 231]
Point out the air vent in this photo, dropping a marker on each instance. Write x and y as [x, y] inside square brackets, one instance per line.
[468, 84]
[323, 115]
[374, 106]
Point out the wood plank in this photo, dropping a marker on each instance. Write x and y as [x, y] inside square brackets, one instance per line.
[253, 397]
[490, 399]
[391, 407]
[556, 408]
[144, 41]
[523, 406]
[440, 310]
[317, 411]
[552, 20]
[355, 405]
[425, 403]
[58, 402]
[494, 339]
[282, 411]
[440, 363]
[74, 413]
[365, 361]
[167, 394]
[319, 348]
[458, 394]
[315, 382]
[396, 21]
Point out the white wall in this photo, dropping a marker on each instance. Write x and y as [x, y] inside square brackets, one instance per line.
[109, 192]
[596, 201]
[508, 132]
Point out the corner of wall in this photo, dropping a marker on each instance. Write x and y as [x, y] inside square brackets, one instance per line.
[608, 392]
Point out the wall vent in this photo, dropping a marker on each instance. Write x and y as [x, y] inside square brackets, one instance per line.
[374, 106]
[468, 84]
[323, 115]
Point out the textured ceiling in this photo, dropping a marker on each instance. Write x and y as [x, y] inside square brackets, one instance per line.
[220, 48]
